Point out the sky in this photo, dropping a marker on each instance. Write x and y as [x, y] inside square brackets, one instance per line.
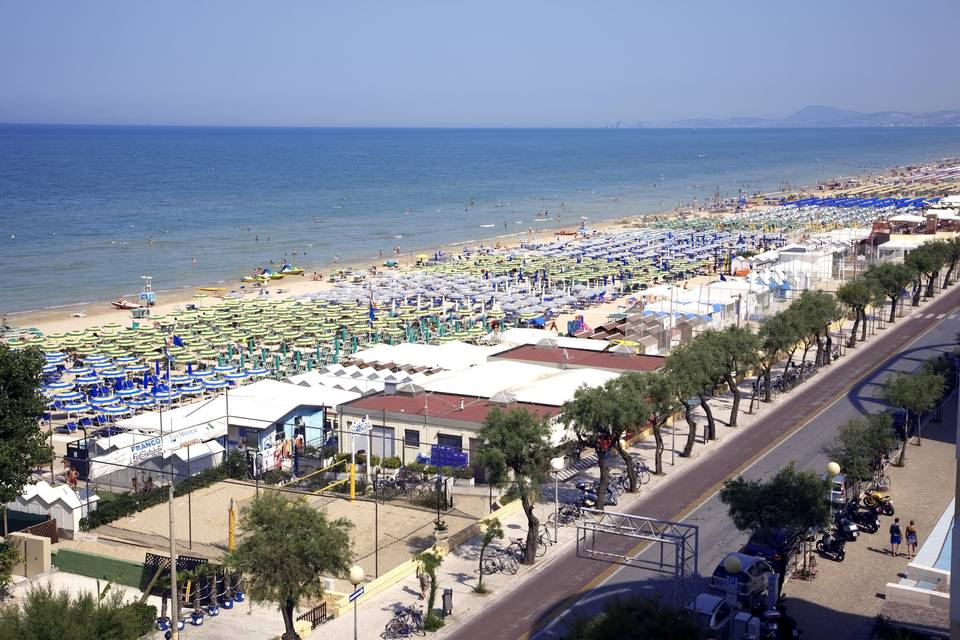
[522, 63]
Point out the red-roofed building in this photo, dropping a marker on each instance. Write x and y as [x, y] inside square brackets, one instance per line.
[407, 424]
[578, 358]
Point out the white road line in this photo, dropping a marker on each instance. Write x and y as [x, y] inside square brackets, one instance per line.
[952, 316]
[941, 316]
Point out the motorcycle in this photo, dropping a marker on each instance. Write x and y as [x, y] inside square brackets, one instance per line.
[831, 547]
[866, 518]
[846, 527]
[880, 500]
[588, 495]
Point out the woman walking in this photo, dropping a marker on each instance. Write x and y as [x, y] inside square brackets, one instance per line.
[911, 539]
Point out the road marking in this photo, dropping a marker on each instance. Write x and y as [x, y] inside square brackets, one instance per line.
[940, 316]
[602, 577]
[952, 316]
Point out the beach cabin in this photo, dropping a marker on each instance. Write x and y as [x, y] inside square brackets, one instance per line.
[42, 501]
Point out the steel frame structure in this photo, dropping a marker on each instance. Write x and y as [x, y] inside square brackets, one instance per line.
[684, 538]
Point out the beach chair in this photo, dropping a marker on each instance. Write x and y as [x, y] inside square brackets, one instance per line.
[86, 423]
[71, 427]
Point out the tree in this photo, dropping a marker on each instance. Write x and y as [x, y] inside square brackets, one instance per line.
[22, 444]
[737, 349]
[861, 445]
[817, 309]
[856, 294]
[952, 252]
[926, 260]
[685, 369]
[789, 501]
[9, 557]
[777, 335]
[286, 549]
[429, 561]
[492, 530]
[891, 279]
[518, 441]
[917, 393]
[659, 402]
[703, 349]
[46, 614]
[636, 617]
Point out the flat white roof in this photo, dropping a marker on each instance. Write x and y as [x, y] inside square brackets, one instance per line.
[560, 387]
[486, 380]
[450, 355]
[518, 337]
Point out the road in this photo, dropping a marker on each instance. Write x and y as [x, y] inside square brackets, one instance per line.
[798, 429]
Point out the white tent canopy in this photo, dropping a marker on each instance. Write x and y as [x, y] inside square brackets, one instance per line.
[907, 217]
[518, 337]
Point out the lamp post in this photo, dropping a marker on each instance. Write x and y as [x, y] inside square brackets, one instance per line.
[356, 577]
[833, 470]
[557, 465]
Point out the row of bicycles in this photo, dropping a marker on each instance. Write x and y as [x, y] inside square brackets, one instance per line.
[789, 379]
[507, 559]
[405, 484]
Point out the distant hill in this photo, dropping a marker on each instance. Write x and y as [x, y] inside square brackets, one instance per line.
[821, 116]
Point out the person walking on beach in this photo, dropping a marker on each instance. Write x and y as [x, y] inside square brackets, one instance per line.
[895, 537]
[911, 539]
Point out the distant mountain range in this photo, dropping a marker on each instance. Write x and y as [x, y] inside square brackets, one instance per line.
[819, 116]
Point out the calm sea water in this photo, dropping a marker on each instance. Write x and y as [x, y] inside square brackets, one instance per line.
[84, 211]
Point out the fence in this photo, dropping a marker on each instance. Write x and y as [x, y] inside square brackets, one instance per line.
[316, 616]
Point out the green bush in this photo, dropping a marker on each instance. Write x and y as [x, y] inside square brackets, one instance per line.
[416, 467]
[275, 476]
[447, 471]
[463, 473]
[392, 462]
[145, 616]
[9, 556]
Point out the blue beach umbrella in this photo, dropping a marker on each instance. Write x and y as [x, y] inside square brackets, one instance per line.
[70, 396]
[141, 402]
[113, 374]
[79, 371]
[114, 410]
[200, 375]
[104, 401]
[216, 384]
[136, 368]
[180, 379]
[191, 389]
[91, 379]
[130, 393]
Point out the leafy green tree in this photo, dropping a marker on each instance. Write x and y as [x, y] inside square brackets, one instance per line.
[891, 278]
[737, 348]
[492, 530]
[636, 617]
[430, 561]
[917, 393]
[777, 335]
[856, 294]
[517, 441]
[46, 614]
[9, 557]
[711, 370]
[659, 402]
[952, 252]
[685, 368]
[861, 445]
[285, 550]
[22, 444]
[789, 501]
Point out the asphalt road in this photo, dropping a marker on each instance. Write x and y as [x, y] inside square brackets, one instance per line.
[797, 429]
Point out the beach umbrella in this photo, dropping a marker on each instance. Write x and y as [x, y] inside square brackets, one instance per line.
[114, 410]
[125, 360]
[113, 374]
[257, 372]
[205, 373]
[50, 368]
[141, 402]
[76, 407]
[224, 368]
[215, 384]
[166, 395]
[101, 366]
[79, 371]
[104, 401]
[236, 376]
[130, 393]
[89, 379]
[192, 389]
[136, 368]
[180, 379]
[70, 396]
[94, 357]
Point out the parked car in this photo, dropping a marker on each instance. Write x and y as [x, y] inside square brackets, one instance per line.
[751, 579]
[779, 547]
[713, 613]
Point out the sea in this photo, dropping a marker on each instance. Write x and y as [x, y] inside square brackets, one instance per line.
[86, 210]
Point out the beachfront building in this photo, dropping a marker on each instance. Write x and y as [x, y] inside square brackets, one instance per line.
[448, 409]
[265, 419]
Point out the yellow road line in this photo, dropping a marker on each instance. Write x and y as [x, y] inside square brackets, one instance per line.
[697, 502]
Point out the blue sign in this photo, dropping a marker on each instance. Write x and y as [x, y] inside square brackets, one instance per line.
[356, 594]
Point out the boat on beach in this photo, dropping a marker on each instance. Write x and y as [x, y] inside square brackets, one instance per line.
[147, 297]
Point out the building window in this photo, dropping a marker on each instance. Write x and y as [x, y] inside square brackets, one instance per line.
[411, 437]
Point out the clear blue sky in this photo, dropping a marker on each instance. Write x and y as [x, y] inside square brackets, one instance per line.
[457, 63]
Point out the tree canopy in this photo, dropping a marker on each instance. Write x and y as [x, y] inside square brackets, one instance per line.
[861, 444]
[286, 549]
[917, 392]
[891, 278]
[518, 441]
[857, 294]
[22, 444]
[789, 500]
[737, 351]
[636, 617]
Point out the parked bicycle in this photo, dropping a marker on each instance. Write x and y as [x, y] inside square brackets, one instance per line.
[567, 514]
[499, 561]
[406, 621]
[518, 549]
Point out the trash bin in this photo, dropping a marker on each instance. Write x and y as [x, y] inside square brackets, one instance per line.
[447, 603]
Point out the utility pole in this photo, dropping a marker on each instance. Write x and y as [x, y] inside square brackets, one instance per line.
[174, 596]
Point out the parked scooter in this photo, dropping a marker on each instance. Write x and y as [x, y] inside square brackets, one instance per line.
[846, 527]
[831, 546]
[879, 499]
[588, 495]
[867, 518]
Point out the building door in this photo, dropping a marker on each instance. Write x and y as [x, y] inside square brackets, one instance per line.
[382, 443]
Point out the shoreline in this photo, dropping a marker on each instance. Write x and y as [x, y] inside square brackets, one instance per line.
[60, 318]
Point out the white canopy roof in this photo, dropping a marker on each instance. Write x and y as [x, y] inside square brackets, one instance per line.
[560, 387]
[451, 355]
[517, 337]
[907, 217]
[487, 379]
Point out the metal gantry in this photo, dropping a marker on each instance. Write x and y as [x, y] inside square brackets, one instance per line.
[613, 544]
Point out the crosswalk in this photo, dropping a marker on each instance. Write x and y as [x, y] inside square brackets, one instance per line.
[931, 316]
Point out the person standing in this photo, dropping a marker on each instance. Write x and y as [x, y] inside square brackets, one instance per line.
[424, 582]
[895, 537]
[912, 539]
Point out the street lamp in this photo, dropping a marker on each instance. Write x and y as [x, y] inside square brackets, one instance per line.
[833, 470]
[733, 566]
[356, 577]
[557, 465]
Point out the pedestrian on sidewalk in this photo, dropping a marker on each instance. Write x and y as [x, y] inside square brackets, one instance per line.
[895, 537]
[424, 582]
[911, 539]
